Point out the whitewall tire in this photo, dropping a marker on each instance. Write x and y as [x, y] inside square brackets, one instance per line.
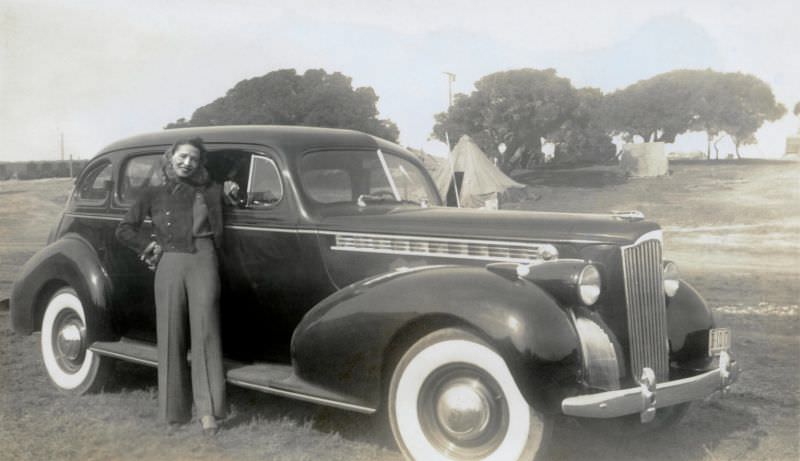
[452, 397]
[71, 366]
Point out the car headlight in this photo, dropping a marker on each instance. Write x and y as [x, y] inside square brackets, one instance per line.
[589, 285]
[671, 278]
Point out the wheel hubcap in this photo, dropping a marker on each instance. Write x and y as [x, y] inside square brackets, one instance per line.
[69, 341]
[463, 409]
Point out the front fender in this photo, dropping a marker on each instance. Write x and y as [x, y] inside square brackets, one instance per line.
[689, 318]
[343, 343]
[68, 261]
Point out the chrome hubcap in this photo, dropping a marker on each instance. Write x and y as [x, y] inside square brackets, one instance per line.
[463, 409]
[69, 341]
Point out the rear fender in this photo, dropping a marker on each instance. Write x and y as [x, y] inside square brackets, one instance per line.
[69, 261]
[343, 344]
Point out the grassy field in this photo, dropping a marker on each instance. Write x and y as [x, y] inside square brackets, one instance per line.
[733, 228]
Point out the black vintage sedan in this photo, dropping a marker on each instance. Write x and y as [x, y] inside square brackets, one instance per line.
[347, 283]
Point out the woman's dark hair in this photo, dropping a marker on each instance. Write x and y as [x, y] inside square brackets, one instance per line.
[197, 143]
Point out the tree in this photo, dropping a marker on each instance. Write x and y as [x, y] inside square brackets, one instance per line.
[515, 107]
[656, 109]
[749, 103]
[672, 103]
[282, 97]
[582, 137]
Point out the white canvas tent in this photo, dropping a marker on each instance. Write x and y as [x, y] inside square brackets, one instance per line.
[479, 179]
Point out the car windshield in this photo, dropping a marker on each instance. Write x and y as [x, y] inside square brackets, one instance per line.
[364, 177]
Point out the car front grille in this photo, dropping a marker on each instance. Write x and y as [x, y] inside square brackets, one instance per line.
[647, 317]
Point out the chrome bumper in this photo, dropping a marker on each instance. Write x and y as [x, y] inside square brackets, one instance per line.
[651, 395]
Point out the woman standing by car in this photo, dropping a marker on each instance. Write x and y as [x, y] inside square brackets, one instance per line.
[186, 211]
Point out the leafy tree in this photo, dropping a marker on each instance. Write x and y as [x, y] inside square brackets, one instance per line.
[656, 109]
[582, 137]
[748, 104]
[515, 107]
[672, 103]
[283, 97]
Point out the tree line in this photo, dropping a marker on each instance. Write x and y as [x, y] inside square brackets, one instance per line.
[524, 107]
[521, 109]
[41, 169]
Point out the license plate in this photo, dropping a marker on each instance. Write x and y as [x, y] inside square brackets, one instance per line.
[719, 339]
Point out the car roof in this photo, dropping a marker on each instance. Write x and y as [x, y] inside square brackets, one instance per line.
[289, 139]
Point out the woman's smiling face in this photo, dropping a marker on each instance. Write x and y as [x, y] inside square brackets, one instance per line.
[185, 160]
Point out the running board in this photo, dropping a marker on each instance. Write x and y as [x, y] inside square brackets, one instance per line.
[129, 350]
[271, 378]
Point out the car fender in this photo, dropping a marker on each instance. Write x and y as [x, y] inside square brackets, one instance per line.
[689, 318]
[346, 343]
[72, 261]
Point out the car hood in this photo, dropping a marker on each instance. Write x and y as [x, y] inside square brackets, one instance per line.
[492, 224]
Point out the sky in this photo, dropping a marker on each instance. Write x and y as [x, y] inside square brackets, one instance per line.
[98, 71]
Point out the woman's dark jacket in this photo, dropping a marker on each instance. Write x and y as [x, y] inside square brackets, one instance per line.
[170, 207]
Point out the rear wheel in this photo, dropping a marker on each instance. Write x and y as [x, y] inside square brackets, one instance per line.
[452, 397]
[71, 366]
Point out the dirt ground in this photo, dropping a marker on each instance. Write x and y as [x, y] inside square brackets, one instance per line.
[732, 227]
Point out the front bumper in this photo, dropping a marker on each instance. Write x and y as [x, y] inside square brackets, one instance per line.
[651, 395]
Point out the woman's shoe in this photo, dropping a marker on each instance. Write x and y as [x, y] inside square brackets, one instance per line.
[209, 425]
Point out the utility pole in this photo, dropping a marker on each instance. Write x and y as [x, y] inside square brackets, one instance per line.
[451, 77]
[62, 155]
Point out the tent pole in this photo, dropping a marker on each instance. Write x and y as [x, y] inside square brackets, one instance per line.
[452, 170]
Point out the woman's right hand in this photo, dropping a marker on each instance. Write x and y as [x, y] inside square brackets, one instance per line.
[151, 255]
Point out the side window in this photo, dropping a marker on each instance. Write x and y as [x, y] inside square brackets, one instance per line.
[264, 189]
[327, 177]
[328, 185]
[138, 173]
[93, 188]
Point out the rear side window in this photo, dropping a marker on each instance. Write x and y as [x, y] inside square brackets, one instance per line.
[139, 173]
[93, 189]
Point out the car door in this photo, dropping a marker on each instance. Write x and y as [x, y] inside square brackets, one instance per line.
[261, 260]
[134, 302]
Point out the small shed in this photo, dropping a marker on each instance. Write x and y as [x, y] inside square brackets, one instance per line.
[793, 144]
[645, 159]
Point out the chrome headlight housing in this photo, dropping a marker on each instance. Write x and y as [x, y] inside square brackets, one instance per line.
[672, 279]
[589, 285]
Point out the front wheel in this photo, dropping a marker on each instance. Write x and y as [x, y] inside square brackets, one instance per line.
[452, 397]
[71, 366]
